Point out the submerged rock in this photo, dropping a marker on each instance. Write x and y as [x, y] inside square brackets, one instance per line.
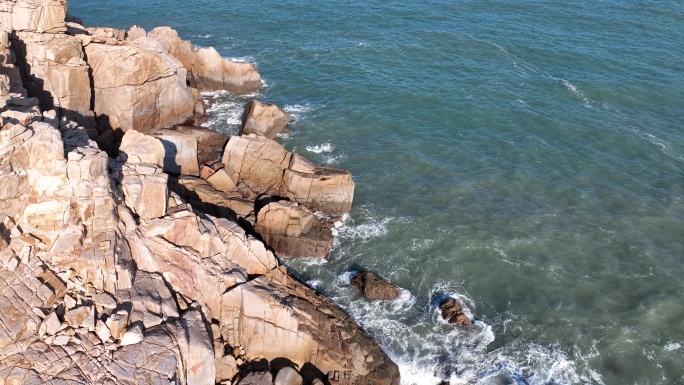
[375, 288]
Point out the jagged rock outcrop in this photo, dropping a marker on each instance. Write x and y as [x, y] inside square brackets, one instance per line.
[109, 273]
[275, 304]
[259, 165]
[263, 119]
[207, 69]
[293, 231]
[54, 71]
[373, 287]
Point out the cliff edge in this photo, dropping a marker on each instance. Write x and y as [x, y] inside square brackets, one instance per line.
[132, 240]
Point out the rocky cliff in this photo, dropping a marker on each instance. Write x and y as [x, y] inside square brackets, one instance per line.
[132, 243]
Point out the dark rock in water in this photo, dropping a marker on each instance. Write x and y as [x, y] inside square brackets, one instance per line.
[452, 312]
[374, 287]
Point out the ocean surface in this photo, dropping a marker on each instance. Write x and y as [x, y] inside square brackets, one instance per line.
[526, 157]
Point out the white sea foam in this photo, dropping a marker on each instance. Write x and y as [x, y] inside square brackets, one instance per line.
[587, 103]
[319, 148]
[297, 111]
[372, 228]
[315, 283]
[331, 160]
[672, 346]
[243, 59]
[204, 36]
[226, 116]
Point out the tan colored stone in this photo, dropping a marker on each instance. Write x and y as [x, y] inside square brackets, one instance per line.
[117, 324]
[328, 189]
[146, 195]
[226, 368]
[34, 15]
[50, 324]
[138, 88]
[293, 231]
[140, 148]
[197, 352]
[275, 307]
[256, 162]
[209, 143]
[221, 181]
[204, 197]
[180, 152]
[288, 376]
[133, 335]
[208, 70]
[135, 33]
[263, 119]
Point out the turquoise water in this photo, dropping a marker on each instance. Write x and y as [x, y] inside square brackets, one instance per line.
[526, 156]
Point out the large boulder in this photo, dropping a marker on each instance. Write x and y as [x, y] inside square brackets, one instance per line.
[256, 164]
[292, 231]
[209, 143]
[180, 152]
[208, 71]
[375, 288]
[262, 166]
[139, 148]
[276, 307]
[136, 87]
[263, 119]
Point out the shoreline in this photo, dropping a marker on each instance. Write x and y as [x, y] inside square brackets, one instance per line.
[128, 236]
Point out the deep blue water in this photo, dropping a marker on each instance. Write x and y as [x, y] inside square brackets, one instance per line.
[527, 156]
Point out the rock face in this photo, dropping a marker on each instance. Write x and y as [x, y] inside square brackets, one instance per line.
[139, 88]
[452, 312]
[107, 275]
[262, 166]
[374, 287]
[263, 119]
[277, 305]
[293, 231]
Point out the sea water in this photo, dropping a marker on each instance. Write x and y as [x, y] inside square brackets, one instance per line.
[526, 157]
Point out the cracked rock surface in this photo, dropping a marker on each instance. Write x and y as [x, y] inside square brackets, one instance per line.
[113, 272]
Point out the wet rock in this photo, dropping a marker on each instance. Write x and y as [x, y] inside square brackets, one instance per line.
[263, 119]
[452, 312]
[374, 287]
